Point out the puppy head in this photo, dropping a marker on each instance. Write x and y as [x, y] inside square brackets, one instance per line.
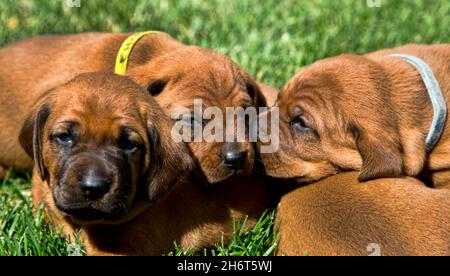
[337, 115]
[103, 145]
[191, 73]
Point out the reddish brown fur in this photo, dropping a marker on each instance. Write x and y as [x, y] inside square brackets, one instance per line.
[340, 216]
[369, 113]
[192, 215]
[41, 63]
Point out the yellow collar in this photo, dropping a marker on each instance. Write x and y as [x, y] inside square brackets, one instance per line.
[125, 50]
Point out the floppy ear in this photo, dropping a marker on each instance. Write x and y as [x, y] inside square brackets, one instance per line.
[255, 93]
[266, 95]
[155, 87]
[31, 137]
[381, 156]
[170, 162]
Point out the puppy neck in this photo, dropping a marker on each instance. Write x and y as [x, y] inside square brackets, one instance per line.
[412, 103]
[437, 99]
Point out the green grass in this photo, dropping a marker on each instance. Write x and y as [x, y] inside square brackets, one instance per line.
[261, 240]
[271, 39]
[23, 232]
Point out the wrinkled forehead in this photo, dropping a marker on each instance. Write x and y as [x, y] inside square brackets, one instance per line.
[288, 93]
[214, 85]
[312, 81]
[99, 100]
[97, 111]
[212, 93]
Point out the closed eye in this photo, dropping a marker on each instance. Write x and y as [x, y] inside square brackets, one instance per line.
[300, 125]
[129, 141]
[193, 121]
[128, 145]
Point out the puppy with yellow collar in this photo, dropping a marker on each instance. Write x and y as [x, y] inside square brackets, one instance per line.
[170, 71]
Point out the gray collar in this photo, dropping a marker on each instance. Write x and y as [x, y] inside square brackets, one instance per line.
[437, 99]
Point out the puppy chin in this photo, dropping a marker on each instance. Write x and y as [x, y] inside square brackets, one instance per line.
[83, 212]
[89, 213]
[224, 174]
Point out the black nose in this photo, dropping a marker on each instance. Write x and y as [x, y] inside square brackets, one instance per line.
[95, 186]
[235, 159]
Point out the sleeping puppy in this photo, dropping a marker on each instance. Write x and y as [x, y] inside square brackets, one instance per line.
[340, 216]
[105, 159]
[157, 62]
[368, 113]
[222, 85]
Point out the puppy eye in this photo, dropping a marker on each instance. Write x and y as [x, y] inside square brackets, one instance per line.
[193, 121]
[64, 139]
[299, 124]
[129, 146]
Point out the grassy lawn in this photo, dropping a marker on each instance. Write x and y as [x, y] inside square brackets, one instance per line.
[271, 39]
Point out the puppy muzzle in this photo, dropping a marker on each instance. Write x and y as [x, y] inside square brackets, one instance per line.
[93, 186]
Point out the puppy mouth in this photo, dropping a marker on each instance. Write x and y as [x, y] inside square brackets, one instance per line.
[88, 212]
[238, 171]
[229, 173]
[234, 170]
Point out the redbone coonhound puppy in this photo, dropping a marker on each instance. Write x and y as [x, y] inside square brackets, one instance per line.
[106, 164]
[371, 113]
[174, 73]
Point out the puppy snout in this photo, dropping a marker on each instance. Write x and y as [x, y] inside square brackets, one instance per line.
[95, 184]
[234, 157]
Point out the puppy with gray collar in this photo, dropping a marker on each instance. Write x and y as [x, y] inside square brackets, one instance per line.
[382, 114]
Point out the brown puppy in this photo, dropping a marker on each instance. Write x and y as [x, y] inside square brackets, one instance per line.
[369, 113]
[219, 84]
[157, 62]
[340, 216]
[104, 152]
